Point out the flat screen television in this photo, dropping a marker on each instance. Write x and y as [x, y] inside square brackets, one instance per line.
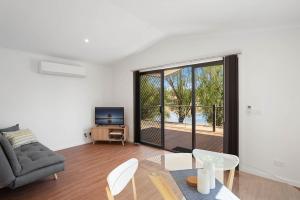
[109, 115]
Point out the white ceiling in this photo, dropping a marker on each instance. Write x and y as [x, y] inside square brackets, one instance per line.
[118, 28]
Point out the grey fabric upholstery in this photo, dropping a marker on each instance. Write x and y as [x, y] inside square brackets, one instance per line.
[10, 155]
[6, 173]
[10, 129]
[35, 156]
[35, 162]
[37, 174]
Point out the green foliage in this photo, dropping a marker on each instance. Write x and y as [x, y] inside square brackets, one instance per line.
[209, 92]
[179, 93]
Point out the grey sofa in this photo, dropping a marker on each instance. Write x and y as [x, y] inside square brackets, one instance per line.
[27, 163]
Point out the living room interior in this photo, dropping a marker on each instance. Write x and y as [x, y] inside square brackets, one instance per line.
[149, 99]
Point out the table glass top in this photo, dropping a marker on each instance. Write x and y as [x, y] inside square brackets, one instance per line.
[162, 165]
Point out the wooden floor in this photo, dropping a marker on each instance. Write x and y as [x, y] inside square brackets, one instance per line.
[88, 165]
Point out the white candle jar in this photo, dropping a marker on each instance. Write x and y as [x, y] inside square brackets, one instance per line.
[203, 181]
[212, 173]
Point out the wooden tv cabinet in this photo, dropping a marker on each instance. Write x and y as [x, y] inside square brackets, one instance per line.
[104, 133]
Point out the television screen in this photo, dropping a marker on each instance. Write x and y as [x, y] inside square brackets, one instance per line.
[109, 115]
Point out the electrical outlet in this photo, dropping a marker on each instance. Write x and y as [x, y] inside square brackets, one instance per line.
[278, 163]
[85, 135]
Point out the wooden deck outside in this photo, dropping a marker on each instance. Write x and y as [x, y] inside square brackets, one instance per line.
[174, 138]
[180, 135]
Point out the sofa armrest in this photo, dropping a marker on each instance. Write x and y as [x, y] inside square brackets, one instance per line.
[10, 155]
[6, 173]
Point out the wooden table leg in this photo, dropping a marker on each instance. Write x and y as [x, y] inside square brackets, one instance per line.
[164, 189]
[230, 179]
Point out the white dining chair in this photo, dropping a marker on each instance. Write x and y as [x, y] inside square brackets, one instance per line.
[220, 160]
[119, 178]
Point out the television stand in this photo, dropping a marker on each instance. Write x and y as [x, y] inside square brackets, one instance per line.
[110, 133]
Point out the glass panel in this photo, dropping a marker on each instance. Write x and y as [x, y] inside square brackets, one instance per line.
[209, 101]
[150, 91]
[177, 102]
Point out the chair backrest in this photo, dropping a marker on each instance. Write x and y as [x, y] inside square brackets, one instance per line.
[121, 176]
[221, 160]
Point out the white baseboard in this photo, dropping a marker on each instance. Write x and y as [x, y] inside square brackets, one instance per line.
[258, 172]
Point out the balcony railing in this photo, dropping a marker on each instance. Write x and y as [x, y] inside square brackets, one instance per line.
[215, 114]
[216, 111]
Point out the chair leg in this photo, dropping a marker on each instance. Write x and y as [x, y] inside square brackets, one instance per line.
[230, 179]
[109, 195]
[133, 188]
[55, 176]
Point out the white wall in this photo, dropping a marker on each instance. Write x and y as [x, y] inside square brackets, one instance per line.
[269, 71]
[57, 109]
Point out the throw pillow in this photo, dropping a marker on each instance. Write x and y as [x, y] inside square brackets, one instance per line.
[9, 129]
[21, 137]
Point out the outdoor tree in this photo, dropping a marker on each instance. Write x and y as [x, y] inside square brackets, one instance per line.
[209, 92]
[178, 94]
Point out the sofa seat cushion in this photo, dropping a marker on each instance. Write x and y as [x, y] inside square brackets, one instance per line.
[35, 156]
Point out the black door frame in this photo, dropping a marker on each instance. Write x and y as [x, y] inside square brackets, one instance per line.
[137, 111]
[231, 105]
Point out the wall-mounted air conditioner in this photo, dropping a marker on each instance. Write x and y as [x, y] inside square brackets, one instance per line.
[58, 69]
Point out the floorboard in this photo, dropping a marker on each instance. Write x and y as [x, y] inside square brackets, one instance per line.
[88, 165]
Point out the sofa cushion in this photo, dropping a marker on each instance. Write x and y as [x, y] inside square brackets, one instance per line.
[20, 137]
[35, 156]
[11, 155]
[9, 129]
[36, 175]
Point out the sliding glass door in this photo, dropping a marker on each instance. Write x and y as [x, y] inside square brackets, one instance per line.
[182, 108]
[178, 107]
[209, 109]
